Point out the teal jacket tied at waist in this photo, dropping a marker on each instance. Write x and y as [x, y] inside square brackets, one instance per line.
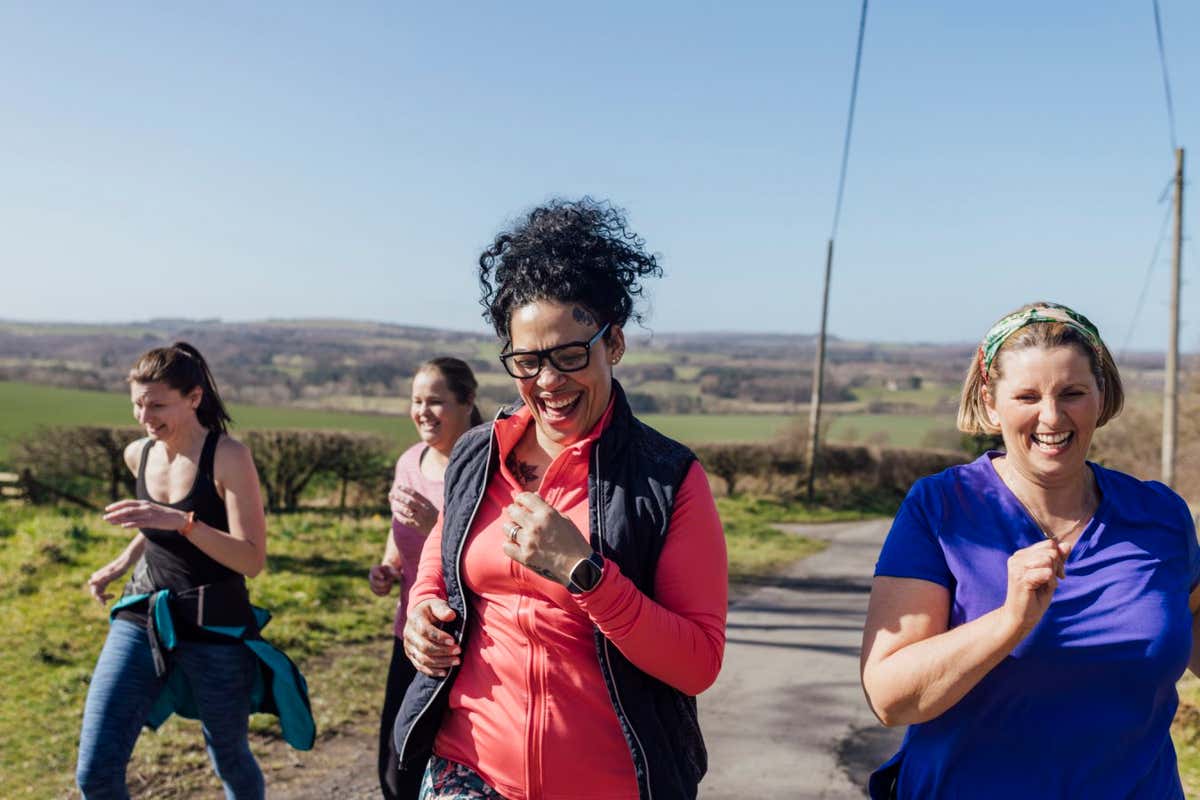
[279, 688]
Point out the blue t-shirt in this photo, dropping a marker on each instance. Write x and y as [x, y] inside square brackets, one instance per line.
[1082, 707]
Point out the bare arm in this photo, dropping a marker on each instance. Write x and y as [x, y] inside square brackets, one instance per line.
[914, 668]
[383, 576]
[101, 578]
[244, 547]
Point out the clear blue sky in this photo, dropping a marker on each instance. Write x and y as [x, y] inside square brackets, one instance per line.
[247, 161]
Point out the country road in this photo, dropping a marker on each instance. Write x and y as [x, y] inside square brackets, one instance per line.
[787, 717]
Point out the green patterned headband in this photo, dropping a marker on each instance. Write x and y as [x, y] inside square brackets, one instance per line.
[1046, 312]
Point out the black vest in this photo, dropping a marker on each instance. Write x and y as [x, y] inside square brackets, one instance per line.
[632, 479]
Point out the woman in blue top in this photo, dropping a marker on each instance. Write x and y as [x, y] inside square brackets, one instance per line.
[1031, 611]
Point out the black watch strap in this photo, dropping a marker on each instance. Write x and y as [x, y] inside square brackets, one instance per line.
[586, 574]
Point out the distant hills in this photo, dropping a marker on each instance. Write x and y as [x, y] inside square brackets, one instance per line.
[354, 365]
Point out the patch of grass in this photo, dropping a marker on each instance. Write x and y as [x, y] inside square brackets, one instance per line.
[719, 428]
[314, 583]
[1185, 730]
[756, 546]
[895, 430]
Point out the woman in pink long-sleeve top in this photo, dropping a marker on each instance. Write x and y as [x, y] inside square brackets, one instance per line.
[571, 602]
[443, 407]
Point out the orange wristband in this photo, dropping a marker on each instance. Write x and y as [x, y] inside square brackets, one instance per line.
[186, 530]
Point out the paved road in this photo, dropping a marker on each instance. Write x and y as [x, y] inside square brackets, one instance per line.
[787, 717]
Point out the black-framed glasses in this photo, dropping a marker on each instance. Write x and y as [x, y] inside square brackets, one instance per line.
[569, 357]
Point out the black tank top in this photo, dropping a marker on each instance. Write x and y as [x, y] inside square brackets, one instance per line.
[173, 562]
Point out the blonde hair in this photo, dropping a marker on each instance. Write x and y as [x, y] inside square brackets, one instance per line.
[972, 407]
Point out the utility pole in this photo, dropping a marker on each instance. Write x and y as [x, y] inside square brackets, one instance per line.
[1171, 379]
[814, 414]
[814, 417]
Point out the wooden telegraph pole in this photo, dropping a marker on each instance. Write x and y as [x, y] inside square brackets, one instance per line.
[814, 414]
[1171, 381]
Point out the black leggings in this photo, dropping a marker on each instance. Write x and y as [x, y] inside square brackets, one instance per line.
[396, 785]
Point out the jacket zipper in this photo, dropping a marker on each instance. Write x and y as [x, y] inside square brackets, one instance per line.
[458, 575]
[607, 657]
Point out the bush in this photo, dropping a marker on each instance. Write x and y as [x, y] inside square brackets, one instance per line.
[289, 460]
[80, 464]
[75, 463]
[848, 476]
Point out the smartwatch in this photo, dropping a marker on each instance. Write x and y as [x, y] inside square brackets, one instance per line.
[585, 574]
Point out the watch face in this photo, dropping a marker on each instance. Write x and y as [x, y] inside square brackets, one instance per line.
[586, 575]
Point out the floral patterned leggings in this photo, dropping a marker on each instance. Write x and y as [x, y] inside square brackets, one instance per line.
[447, 780]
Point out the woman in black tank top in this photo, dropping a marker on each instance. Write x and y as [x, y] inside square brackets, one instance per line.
[200, 523]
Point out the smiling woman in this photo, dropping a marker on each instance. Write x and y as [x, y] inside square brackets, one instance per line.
[443, 408]
[184, 637]
[1034, 590]
[571, 603]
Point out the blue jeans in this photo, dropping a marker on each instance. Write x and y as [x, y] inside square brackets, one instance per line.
[123, 690]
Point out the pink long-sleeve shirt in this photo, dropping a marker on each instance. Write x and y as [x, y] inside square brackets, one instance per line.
[529, 710]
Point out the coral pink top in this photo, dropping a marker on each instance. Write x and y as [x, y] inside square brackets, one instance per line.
[408, 539]
[529, 710]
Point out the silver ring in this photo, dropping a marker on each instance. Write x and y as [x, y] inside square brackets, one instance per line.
[511, 529]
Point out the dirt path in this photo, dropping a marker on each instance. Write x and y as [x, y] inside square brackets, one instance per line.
[785, 719]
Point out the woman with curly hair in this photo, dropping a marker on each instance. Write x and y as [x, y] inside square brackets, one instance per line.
[570, 604]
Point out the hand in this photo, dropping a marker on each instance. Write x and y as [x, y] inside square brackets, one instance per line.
[413, 509]
[144, 514]
[382, 577]
[543, 540]
[102, 577]
[1033, 575]
[430, 649]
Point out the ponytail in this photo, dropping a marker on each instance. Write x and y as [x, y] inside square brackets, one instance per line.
[181, 367]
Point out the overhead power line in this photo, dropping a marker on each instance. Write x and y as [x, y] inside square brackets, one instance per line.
[1166, 76]
[837, 205]
[1141, 301]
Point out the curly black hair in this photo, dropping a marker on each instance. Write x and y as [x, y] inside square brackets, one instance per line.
[569, 251]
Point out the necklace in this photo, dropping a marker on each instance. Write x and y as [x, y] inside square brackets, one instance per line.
[1089, 505]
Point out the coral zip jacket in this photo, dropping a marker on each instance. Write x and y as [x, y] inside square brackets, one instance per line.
[529, 710]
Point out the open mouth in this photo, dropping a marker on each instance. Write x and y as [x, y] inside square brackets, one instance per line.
[559, 409]
[1052, 442]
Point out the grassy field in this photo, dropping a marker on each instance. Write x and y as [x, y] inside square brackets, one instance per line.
[325, 619]
[1186, 733]
[26, 407]
[895, 430]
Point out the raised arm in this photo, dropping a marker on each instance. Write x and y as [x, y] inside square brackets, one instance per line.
[679, 635]
[243, 548]
[914, 668]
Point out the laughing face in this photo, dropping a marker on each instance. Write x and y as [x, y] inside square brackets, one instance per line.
[436, 411]
[565, 405]
[1046, 404]
[162, 411]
